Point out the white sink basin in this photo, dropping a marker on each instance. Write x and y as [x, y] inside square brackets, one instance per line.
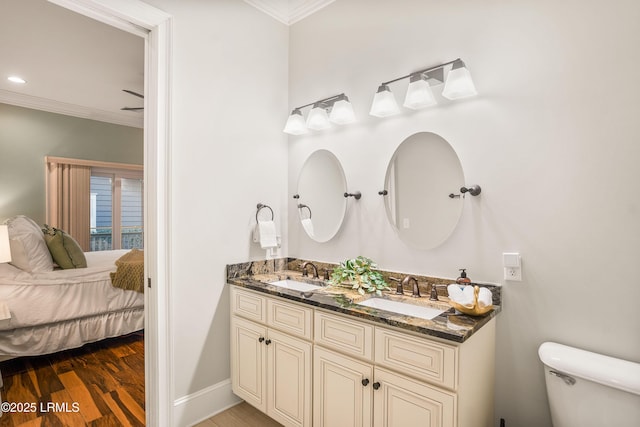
[297, 286]
[402, 308]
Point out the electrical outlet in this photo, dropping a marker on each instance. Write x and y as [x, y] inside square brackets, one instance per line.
[513, 274]
[512, 266]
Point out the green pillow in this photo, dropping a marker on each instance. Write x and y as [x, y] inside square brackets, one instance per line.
[65, 251]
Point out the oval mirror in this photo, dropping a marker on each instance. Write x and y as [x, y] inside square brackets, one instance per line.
[321, 203]
[423, 181]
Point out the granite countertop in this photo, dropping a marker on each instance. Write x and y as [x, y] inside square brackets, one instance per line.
[449, 325]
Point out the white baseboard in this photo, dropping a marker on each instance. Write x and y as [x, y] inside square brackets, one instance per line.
[203, 404]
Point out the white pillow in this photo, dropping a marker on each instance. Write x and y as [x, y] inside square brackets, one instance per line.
[29, 250]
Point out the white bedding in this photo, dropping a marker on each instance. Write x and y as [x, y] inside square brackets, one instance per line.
[61, 295]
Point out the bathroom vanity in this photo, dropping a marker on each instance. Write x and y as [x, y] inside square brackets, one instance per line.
[320, 358]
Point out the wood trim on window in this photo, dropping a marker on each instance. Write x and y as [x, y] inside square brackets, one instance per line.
[93, 163]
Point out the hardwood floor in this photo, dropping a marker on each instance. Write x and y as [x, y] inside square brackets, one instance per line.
[98, 385]
[242, 415]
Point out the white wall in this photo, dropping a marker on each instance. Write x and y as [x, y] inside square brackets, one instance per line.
[228, 154]
[552, 139]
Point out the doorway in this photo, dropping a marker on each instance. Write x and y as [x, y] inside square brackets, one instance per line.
[153, 25]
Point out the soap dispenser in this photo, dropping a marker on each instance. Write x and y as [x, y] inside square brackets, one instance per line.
[463, 279]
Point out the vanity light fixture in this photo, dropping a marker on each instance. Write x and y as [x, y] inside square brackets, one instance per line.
[295, 123]
[334, 109]
[458, 84]
[318, 119]
[342, 111]
[419, 93]
[384, 103]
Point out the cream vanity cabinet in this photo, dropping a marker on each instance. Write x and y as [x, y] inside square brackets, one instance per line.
[271, 356]
[370, 375]
[364, 375]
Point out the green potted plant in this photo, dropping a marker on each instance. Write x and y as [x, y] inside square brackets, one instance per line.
[359, 274]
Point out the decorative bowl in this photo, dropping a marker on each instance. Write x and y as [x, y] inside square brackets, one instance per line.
[472, 309]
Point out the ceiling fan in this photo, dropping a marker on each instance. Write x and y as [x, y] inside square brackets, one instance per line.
[134, 94]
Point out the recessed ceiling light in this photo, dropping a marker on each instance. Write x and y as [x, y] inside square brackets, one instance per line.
[16, 79]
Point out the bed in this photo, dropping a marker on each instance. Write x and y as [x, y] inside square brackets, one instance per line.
[57, 310]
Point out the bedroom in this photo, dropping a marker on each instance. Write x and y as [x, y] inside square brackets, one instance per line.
[113, 141]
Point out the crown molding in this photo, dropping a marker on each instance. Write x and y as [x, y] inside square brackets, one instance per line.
[131, 119]
[289, 11]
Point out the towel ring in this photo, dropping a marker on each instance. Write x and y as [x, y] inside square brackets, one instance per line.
[301, 206]
[262, 206]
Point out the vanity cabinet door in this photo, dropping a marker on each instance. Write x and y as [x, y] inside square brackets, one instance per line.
[289, 373]
[400, 401]
[342, 390]
[248, 362]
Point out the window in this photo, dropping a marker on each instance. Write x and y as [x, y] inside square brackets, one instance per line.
[116, 209]
[99, 203]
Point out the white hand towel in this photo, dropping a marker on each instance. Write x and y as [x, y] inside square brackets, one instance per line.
[267, 230]
[455, 291]
[461, 294]
[468, 296]
[485, 298]
[308, 226]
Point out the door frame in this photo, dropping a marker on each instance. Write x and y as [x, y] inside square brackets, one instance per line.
[154, 25]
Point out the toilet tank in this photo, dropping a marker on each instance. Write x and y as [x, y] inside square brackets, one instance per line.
[587, 389]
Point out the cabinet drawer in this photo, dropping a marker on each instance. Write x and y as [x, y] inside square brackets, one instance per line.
[348, 336]
[290, 318]
[248, 304]
[421, 358]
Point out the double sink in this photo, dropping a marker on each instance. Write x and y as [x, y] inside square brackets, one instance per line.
[385, 304]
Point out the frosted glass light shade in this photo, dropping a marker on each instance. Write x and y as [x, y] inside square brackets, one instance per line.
[459, 83]
[318, 118]
[5, 249]
[295, 124]
[342, 112]
[384, 103]
[419, 93]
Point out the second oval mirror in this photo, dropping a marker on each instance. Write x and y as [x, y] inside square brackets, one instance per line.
[321, 203]
[423, 181]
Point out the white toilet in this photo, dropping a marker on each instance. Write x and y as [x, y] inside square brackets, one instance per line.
[587, 389]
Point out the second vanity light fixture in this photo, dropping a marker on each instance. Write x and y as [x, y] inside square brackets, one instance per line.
[419, 94]
[334, 109]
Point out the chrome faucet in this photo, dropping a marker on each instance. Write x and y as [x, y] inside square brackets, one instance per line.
[416, 291]
[304, 269]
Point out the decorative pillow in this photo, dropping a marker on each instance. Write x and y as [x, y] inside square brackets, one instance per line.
[29, 251]
[66, 252]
